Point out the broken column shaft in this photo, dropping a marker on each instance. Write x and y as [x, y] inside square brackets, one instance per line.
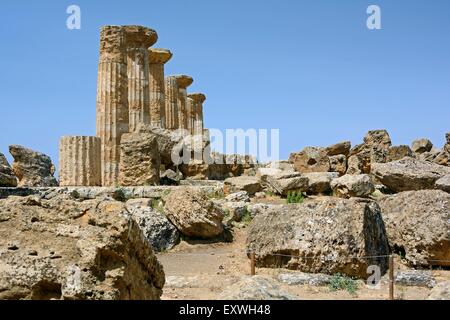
[79, 162]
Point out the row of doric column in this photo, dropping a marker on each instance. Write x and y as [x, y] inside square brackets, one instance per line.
[131, 89]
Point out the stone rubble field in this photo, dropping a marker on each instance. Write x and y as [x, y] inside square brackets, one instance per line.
[191, 238]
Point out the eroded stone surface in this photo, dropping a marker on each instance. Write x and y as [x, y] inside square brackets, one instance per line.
[311, 159]
[139, 160]
[409, 174]
[193, 213]
[67, 249]
[243, 183]
[422, 145]
[353, 186]
[7, 177]
[417, 224]
[157, 229]
[444, 183]
[341, 148]
[33, 169]
[328, 235]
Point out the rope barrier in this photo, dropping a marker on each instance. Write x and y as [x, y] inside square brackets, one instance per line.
[290, 256]
[353, 257]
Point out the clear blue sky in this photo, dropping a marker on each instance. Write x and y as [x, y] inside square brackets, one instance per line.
[310, 68]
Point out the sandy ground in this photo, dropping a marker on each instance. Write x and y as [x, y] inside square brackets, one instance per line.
[201, 271]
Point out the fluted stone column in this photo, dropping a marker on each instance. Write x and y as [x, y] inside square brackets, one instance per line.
[171, 103]
[112, 100]
[79, 161]
[138, 40]
[199, 99]
[191, 114]
[183, 82]
[157, 59]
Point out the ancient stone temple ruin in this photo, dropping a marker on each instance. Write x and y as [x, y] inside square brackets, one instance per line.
[133, 95]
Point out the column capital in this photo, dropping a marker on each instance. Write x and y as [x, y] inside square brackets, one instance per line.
[140, 36]
[197, 97]
[112, 44]
[159, 56]
[183, 81]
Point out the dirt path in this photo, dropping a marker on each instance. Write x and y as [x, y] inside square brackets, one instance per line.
[201, 271]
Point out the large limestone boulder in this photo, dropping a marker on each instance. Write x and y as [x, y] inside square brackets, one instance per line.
[7, 177]
[287, 181]
[311, 159]
[338, 164]
[33, 169]
[429, 156]
[264, 173]
[157, 229]
[399, 152]
[279, 164]
[409, 174]
[67, 249]
[378, 143]
[320, 182]
[418, 227]
[139, 159]
[443, 158]
[358, 163]
[421, 145]
[353, 186]
[327, 235]
[243, 183]
[341, 148]
[193, 213]
[256, 288]
[170, 143]
[238, 165]
[375, 149]
[195, 170]
[444, 183]
[241, 196]
[170, 178]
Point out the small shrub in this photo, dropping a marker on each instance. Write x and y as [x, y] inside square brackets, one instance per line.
[119, 195]
[216, 194]
[157, 205]
[340, 282]
[295, 197]
[270, 193]
[247, 217]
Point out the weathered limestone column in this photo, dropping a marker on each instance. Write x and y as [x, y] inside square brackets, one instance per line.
[138, 40]
[183, 82]
[79, 161]
[112, 100]
[171, 103]
[157, 59]
[199, 99]
[191, 112]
